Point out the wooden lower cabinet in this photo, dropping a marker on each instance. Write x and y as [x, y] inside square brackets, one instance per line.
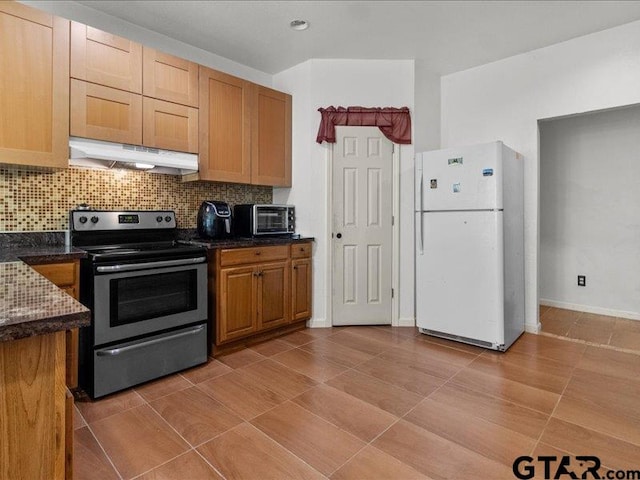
[301, 288]
[273, 295]
[236, 303]
[257, 289]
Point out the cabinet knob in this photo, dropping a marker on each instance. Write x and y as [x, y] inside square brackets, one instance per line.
[295, 267]
[258, 253]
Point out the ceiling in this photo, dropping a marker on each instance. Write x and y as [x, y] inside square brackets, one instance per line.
[448, 35]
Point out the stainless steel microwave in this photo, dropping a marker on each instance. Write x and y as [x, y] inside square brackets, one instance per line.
[262, 219]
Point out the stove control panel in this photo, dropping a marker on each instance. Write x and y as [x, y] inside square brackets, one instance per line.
[113, 220]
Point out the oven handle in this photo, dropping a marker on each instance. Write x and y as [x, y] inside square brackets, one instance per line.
[141, 266]
[117, 351]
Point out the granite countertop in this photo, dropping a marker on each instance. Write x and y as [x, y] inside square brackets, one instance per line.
[246, 242]
[32, 305]
[40, 254]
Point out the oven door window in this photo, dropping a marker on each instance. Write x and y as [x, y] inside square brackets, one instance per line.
[272, 220]
[134, 299]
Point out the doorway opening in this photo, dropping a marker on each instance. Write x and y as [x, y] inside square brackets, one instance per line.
[590, 226]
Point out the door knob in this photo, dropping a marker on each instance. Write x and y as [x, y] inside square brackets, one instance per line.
[339, 235]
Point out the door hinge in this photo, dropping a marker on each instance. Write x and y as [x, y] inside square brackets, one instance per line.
[393, 220]
[392, 293]
[393, 148]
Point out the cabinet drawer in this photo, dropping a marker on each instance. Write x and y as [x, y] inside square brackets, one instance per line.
[237, 256]
[61, 274]
[300, 250]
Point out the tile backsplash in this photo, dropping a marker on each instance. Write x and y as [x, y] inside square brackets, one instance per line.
[40, 201]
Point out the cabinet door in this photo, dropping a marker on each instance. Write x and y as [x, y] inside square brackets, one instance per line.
[301, 289]
[270, 137]
[169, 126]
[104, 113]
[236, 303]
[34, 87]
[273, 295]
[169, 78]
[224, 128]
[106, 59]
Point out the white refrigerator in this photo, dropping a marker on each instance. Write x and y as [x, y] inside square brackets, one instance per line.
[470, 244]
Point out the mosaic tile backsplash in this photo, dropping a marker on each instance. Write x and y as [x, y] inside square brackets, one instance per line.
[40, 201]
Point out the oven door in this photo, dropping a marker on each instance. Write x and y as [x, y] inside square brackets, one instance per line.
[270, 220]
[139, 299]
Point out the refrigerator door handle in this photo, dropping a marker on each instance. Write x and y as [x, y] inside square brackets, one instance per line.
[421, 249]
[421, 192]
[421, 210]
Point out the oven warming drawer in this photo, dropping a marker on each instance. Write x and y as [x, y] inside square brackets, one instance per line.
[121, 366]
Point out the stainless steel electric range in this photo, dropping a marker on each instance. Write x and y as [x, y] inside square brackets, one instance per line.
[147, 294]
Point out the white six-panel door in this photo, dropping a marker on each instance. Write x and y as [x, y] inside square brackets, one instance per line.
[362, 227]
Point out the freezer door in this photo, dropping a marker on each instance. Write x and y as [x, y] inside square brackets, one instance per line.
[460, 276]
[467, 178]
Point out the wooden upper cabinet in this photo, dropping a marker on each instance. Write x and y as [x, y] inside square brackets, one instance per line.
[106, 59]
[169, 126]
[104, 113]
[169, 78]
[224, 128]
[270, 137]
[34, 87]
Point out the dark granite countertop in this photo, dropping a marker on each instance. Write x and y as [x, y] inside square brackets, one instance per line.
[246, 242]
[32, 305]
[41, 254]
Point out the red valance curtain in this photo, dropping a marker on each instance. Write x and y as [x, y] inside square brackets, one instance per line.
[394, 123]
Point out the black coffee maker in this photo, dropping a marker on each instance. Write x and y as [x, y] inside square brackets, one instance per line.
[214, 220]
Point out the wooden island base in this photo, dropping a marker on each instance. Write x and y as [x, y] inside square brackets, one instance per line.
[33, 421]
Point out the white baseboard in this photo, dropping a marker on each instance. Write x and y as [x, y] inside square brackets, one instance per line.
[406, 322]
[532, 328]
[589, 309]
[317, 323]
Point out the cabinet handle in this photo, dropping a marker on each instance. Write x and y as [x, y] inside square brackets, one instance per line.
[258, 253]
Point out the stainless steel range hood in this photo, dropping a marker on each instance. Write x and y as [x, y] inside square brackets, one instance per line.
[106, 155]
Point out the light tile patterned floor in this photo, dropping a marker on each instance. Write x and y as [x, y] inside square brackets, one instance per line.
[368, 403]
[618, 333]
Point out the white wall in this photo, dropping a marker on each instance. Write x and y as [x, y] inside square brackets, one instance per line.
[504, 100]
[589, 212]
[426, 117]
[321, 83]
[108, 23]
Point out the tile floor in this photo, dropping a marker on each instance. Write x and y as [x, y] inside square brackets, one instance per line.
[618, 333]
[368, 403]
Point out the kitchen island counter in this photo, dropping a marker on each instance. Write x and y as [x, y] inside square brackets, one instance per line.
[31, 305]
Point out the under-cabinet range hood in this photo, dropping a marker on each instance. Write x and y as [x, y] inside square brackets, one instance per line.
[106, 155]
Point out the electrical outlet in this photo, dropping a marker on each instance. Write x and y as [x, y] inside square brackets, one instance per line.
[582, 281]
